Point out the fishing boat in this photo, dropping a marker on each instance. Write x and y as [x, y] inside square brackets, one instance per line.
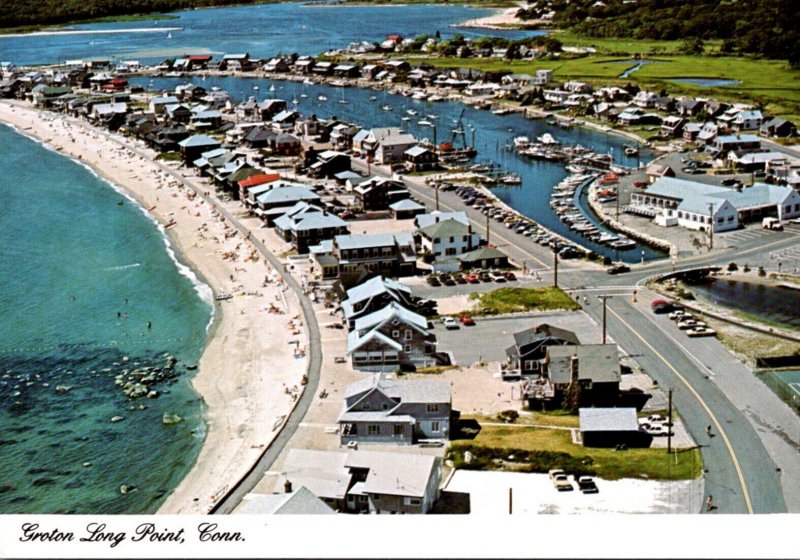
[322, 98]
[386, 107]
[548, 139]
[622, 243]
[522, 142]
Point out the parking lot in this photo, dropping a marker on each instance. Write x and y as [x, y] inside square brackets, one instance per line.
[490, 336]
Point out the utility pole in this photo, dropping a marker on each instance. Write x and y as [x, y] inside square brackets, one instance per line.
[510, 501]
[711, 225]
[487, 227]
[555, 268]
[669, 422]
[437, 197]
[605, 304]
[618, 194]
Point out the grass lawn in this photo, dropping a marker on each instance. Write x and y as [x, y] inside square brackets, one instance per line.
[554, 418]
[516, 300]
[169, 156]
[606, 463]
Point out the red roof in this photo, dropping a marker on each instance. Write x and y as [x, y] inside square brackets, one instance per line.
[260, 179]
[200, 57]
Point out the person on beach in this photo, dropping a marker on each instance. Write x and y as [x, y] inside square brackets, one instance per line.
[709, 503]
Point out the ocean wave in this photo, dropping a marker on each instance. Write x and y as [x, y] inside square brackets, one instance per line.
[124, 266]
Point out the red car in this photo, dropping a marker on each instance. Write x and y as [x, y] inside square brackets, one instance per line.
[659, 302]
[510, 276]
[472, 279]
[467, 321]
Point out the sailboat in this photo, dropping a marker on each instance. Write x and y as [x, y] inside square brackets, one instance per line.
[272, 87]
[344, 101]
[169, 35]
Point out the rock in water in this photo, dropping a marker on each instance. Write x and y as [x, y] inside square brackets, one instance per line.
[152, 395]
[117, 419]
[126, 488]
[170, 418]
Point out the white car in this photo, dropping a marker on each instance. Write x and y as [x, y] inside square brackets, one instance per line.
[690, 324]
[701, 331]
[656, 429]
[450, 323]
[680, 314]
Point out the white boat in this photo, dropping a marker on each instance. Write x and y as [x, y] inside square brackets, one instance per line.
[547, 138]
[522, 142]
[411, 112]
[322, 98]
[303, 95]
[435, 98]
[511, 180]
[255, 88]
[169, 35]
[308, 82]
[501, 111]
[405, 119]
[622, 243]
[421, 95]
[631, 151]
[433, 117]
[386, 107]
[295, 101]
[425, 123]
[272, 87]
[373, 98]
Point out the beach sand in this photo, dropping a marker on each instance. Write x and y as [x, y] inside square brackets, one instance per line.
[501, 19]
[249, 367]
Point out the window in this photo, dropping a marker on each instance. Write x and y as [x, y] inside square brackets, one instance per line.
[407, 348]
[433, 408]
[730, 218]
[408, 334]
[412, 501]
[434, 426]
[450, 251]
[529, 365]
[398, 430]
[395, 334]
[452, 239]
[373, 429]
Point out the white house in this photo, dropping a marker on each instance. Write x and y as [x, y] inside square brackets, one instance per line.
[645, 99]
[448, 238]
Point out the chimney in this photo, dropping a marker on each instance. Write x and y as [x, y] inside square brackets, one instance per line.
[436, 219]
[573, 368]
[287, 486]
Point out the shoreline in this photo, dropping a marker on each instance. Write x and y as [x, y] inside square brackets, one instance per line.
[246, 369]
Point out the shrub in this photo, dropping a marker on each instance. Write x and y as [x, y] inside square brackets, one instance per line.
[733, 267]
[509, 416]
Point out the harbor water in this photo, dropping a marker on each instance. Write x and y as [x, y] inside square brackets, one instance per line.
[492, 134]
[84, 271]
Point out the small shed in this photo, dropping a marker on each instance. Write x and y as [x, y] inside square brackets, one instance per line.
[484, 257]
[609, 427]
[406, 208]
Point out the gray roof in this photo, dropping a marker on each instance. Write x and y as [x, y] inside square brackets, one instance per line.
[198, 140]
[700, 205]
[356, 340]
[406, 390]
[319, 220]
[608, 420]
[394, 474]
[681, 188]
[398, 140]
[482, 253]
[287, 194]
[363, 241]
[542, 332]
[424, 220]
[301, 501]
[738, 138]
[373, 287]
[405, 205]
[598, 363]
[391, 311]
[322, 472]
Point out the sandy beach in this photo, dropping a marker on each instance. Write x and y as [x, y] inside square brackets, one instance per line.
[501, 19]
[250, 372]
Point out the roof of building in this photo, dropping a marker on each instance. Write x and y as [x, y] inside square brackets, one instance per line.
[749, 138]
[322, 472]
[406, 205]
[406, 390]
[390, 312]
[445, 228]
[392, 473]
[543, 331]
[398, 140]
[375, 286]
[301, 501]
[416, 151]
[681, 188]
[365, 240]
[596, 362]
[356, 341]
[701, 205]
[608, 420]
[287, 194]
[259, 179]
[424, 220]
[319, 220]
[198, 140]
[481, 254]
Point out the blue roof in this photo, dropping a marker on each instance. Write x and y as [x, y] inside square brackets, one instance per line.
[406, 204]
[198, 140]
[738, 138]
[392, 310]
[319, 221]
[287, 194]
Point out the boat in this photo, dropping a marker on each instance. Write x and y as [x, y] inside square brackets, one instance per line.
[223, 297]
[272, 87]
[308, 82]
[521, 142]
[322, 98]
[501, 111]
[295, 101]
[411, 112]
[511, 180]
[631, 151]
[303, 96]
[386, 107]
[405, 119]
[169, 35]
[548, 139]
[434, 98]
[622, 243]
[373, 98]
[255, 88]
[425, 123]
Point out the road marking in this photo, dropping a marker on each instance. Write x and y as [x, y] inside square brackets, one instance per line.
[702, 403]
[601, 288]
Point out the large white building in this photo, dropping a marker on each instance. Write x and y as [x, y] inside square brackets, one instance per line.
[694, 205]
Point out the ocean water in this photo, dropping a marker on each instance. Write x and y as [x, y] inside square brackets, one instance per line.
[262, 30]
[493, 135]
[84, 270]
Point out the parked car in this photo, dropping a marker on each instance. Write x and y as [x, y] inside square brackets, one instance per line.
[560, 480]
[472, 278]
[485, 277]
[433, 281]
[679, 314]
[656, 430]
[686, 324]
[618, 268]
[449, 281]
[347, 215]
[701, 331]
[498, 277]
[467, 321]
[655, 419]
[510, 276]
[450, 323]
[586, 485]
[459, 278]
